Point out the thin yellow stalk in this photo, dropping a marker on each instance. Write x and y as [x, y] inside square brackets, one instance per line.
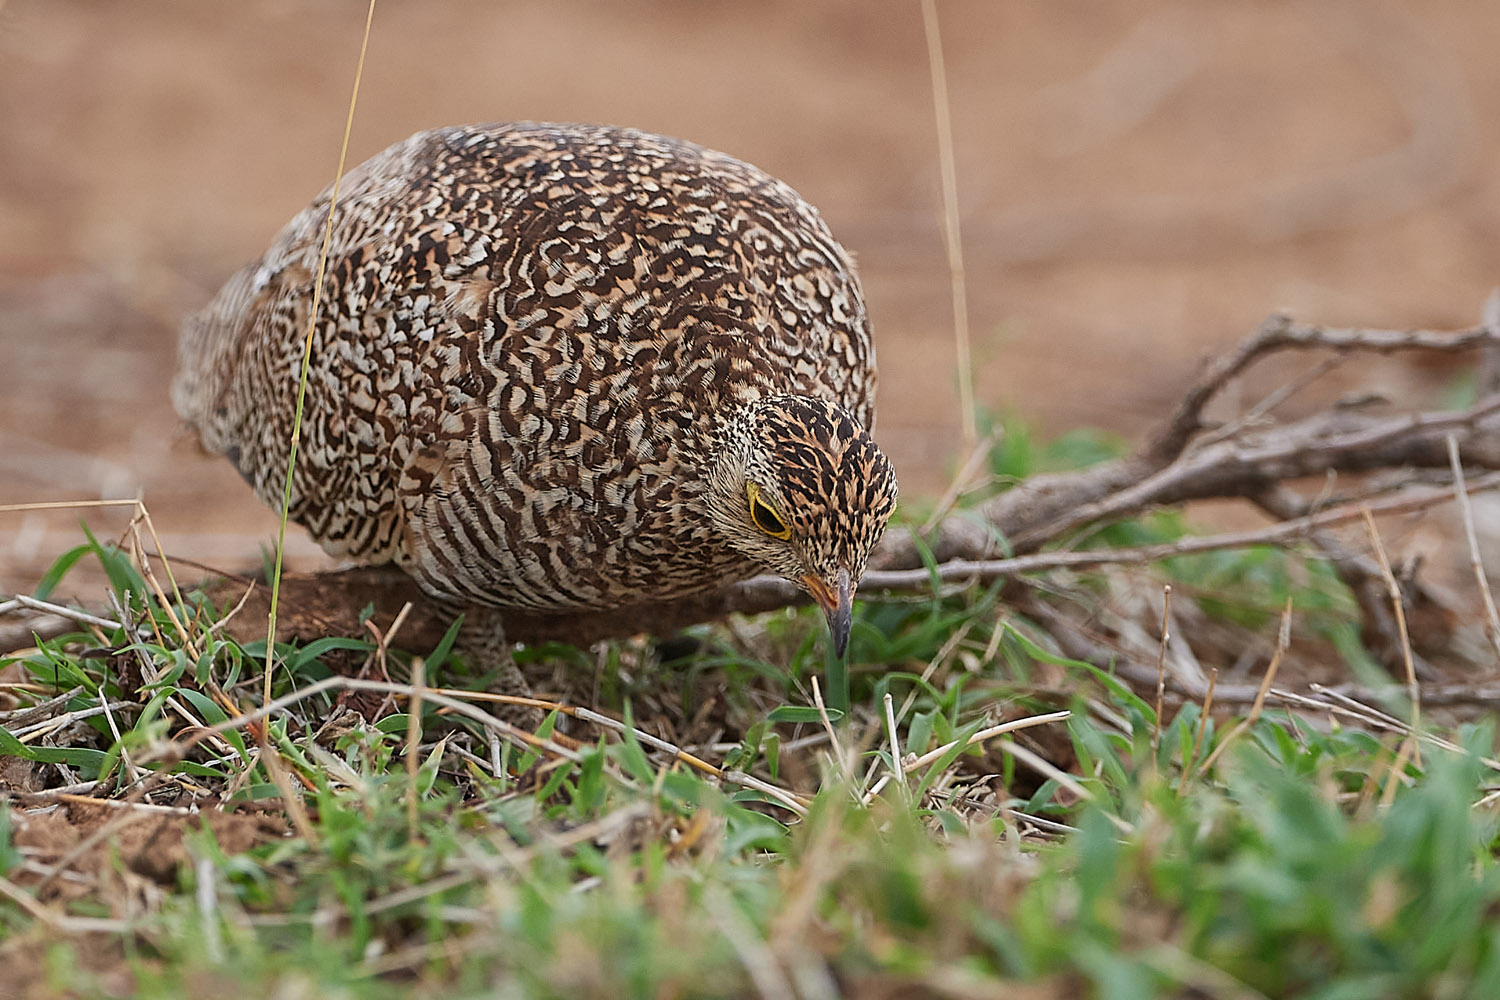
[312, 320]
[950, 219]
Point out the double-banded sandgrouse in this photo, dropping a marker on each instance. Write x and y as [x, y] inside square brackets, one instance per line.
[558, 367]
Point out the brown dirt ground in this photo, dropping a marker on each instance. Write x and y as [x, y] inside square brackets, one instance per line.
[1139, 183]
[143, 844]
[125, 873]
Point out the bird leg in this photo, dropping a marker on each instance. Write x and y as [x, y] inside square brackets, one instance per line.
[481, 641]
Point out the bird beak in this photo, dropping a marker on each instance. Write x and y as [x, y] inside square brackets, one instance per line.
[837, 602]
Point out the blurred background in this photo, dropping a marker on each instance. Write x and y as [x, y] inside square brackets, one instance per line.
[1138, 184]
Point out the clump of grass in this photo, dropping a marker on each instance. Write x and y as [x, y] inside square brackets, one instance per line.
[1103, 855]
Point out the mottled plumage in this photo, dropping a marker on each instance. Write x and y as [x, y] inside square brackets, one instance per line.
[554, 368]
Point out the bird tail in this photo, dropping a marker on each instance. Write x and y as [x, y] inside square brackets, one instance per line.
[207, 349]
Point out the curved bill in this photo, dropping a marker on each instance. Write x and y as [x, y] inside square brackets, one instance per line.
[837, 601]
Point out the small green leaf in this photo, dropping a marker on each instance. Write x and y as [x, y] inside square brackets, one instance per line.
[12, 747]
[439, 654]
[396, 723]
[632, 756]
[212, 714]
[772, 749]
[428, 772]
[305, 655]
[58, 570]
[747, 830]
[919, 732]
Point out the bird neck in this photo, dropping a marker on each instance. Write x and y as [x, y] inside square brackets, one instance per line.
[729, 440]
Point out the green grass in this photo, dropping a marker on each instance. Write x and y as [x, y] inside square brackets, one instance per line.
[1317, 857]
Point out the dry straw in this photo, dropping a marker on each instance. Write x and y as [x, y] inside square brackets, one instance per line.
[312, 320]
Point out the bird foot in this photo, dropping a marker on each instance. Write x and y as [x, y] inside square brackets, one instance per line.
[481, 641]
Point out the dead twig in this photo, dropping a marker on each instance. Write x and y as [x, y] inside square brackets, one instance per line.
[73, 614]
[1287, 532]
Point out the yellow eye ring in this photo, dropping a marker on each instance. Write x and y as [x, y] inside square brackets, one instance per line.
[764, 516]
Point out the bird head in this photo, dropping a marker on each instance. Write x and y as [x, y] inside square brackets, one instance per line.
[801, 488]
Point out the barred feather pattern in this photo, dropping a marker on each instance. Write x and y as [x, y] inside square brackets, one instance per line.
[547, 358]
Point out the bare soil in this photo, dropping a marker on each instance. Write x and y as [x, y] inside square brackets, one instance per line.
[1138, 184]
[140, 845]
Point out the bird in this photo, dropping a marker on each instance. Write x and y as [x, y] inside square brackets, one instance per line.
[559, 368]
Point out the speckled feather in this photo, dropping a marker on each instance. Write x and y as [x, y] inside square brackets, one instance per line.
[547, 362]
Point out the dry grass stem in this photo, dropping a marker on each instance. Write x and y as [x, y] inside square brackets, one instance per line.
[944, 654]
[83, 617]
[13, 508]
[1397, 773]
[758, 960]
[1466, 510]
[1398, 606]
[842, 759]
[229, 616]
[1161, 665]
[312, 321]
[875, 789]
[1354, 705]
[40, 730]
[135, 773]
[963, 479]
[592, 717]
[383, 642]
[1283, 640]
[413, 739]
[1340, 704]
[63, 922]
[1064, 780]
[944, 120]
[173, 750]
[796, 803]
[895, 738]
[168, 606]
[282, 778]
[143, 516]
[42, 709]
[117, 804]
[988, 734]
[1203, 715]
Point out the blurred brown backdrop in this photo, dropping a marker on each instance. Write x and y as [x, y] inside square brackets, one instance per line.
[1139, 183]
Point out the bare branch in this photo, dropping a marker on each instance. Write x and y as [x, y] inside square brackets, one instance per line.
[1279, 333]
[1283, 533]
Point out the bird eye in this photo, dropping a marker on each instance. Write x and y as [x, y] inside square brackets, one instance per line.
[764, 516]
